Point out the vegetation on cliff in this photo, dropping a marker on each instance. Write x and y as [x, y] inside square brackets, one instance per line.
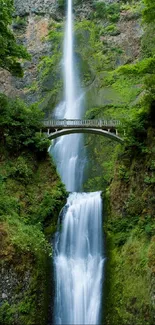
[31, 197]
[130, 225]
[10, 51]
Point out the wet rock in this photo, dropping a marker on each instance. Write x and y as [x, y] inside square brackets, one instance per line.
[4, 296]
[13, 283]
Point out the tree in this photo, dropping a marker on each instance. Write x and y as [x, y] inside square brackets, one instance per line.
[10, 51]
[20, 126]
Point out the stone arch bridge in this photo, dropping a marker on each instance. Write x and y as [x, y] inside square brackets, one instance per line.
[109, 128]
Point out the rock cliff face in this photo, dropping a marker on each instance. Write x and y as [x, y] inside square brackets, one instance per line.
[31, 26]
[30, 35]
[32, 22]
[38, 7]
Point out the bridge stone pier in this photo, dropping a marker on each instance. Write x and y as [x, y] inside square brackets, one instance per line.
[56, 128]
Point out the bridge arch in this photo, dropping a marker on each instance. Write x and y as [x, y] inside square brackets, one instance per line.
[59, 133]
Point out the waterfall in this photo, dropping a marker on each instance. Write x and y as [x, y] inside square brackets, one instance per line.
[79, 262]
[66, 149]
[78, 258]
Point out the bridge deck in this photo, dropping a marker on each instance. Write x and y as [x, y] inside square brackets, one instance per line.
[78, 123]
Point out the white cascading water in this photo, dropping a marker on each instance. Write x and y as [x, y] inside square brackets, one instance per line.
[78, 259]
[66, 149]
[79, 262]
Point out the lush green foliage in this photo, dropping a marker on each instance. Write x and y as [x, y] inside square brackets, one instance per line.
[130, 229]
[110, 11]
[129, 299]
[31, 196]
[20, 126]
[144, 66]
[149, 11]
[130, 232]
[21, 171]
[10, 51]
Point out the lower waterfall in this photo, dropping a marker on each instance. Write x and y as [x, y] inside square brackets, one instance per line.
[79, 261]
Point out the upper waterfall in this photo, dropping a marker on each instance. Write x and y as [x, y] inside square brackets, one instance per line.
[67, 150]
[69, 78]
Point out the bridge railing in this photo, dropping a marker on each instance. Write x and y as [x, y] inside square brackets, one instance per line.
[81, 123]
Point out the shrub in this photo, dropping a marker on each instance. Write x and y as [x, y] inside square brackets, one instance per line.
[20, 125]
[21, 171]
[110, 11]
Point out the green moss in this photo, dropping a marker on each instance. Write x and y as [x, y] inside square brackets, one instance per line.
[128, 299]
[140, 68]
[50, 69]
[148, 41]
[100, 167]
